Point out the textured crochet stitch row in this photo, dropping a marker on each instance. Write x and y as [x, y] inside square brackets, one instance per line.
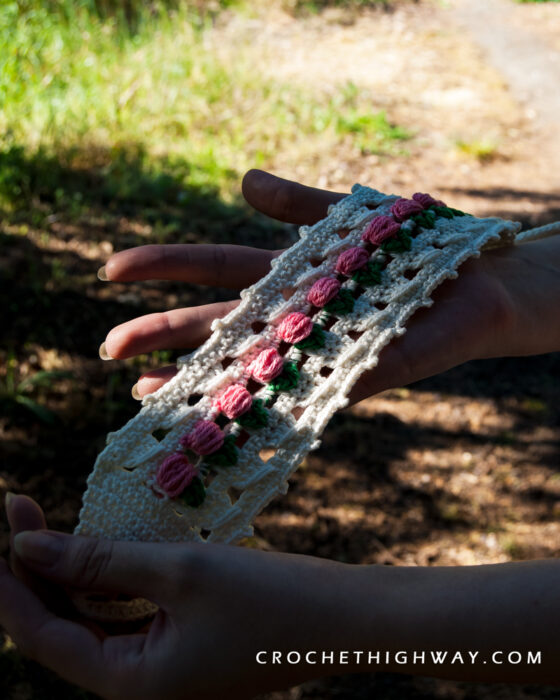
[215, 444]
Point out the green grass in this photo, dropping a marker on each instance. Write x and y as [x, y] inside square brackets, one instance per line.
[150, 108]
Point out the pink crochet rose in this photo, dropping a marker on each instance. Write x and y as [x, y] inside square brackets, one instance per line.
[403, 209]
[206, 437]
[379, 229]
[267, 365]
[322, 291]
[427, 200]
[295, 327]
[174, 474]
[351, 260]
[235, 401]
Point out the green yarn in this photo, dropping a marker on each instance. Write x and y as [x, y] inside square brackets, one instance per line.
[226, 456]
[458, 212]
[287, 380]
[343, 303]
[194, 494]
[400, 244]
[369, 275]
[315, 340]
[445, 212]
[256, 417]
[427, 219]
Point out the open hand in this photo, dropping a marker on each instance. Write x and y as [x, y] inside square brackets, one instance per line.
[470, 319]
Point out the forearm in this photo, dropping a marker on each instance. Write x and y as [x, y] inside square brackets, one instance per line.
[484, 609]
[530, 277]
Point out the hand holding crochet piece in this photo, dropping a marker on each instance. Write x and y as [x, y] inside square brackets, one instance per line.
[191, 465]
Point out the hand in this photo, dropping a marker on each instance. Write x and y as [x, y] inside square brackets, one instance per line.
[473, 316]
[219, 606]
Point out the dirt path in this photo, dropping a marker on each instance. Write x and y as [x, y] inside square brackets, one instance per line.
[478, 142]
[520, 45]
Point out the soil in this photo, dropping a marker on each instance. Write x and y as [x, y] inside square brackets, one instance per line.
[457, 469]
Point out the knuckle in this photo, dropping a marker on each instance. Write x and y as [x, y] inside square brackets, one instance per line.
[92, 560]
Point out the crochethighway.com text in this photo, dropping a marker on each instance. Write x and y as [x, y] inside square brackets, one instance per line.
[375, 658]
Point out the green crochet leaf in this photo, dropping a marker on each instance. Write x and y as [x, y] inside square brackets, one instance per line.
[287, 380]
[369, 275]
[256, 417]
[427, 219]
[315, 340]
[343, 303]
[399, 244]
[226, 456]
[194, 494]
[446, 212]
[458, 212]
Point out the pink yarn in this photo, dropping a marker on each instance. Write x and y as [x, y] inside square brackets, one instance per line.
[235, 401]
[405, 208]
[295, 327]
[322, 291]
[205, 438]
[174, 474]
[351, 260]
[427, 200]
[379, 229]
[267, 365]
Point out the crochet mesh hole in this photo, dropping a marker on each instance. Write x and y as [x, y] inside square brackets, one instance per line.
[329, 323]
[234, 494]
[343, 232]
[288, 292]
[194, 399]
[326, 371]
[160, 433]
[380, 305]
[297, 411]
[205, 534]
[354, 335]
[258, 326]
[266, 454]
[242, 438]
[315, 262]
[226, 362]
[283, 347]
[253, 386]
[409, 273]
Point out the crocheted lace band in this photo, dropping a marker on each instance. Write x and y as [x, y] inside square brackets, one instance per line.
[215, 444]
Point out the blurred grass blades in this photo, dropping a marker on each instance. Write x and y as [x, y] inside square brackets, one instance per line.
[155, 112]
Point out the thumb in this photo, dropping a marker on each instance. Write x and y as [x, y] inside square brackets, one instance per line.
[148, 569]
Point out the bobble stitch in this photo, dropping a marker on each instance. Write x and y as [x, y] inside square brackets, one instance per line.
[379, 229]
[427, 200]
[405, 208]
[323, 291]
[205, 438]
[235, 401]
[174, 474]
[295, 327]
[351, 260]
[267, 365]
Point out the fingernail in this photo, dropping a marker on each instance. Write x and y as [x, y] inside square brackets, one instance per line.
[135, 393]
[102, 274]
[103, 354]
[38, 547]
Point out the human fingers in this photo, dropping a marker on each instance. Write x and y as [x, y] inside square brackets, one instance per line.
[179, 328]
[147, 569]
[287, 200]
[232, 266]
[22, 513]
[69, 649]
[153, 380]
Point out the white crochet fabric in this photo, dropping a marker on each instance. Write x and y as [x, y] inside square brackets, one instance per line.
[119, 502]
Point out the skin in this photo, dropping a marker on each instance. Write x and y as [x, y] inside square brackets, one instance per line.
[220, 605]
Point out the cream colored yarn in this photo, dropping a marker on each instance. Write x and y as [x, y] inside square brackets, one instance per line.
[119, 503]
